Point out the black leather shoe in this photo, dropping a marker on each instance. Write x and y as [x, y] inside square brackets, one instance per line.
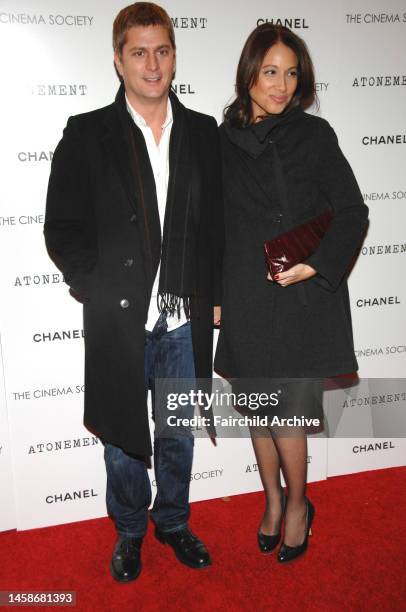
[288, 553]
[268, 543]
[186, 546]
[126, 560]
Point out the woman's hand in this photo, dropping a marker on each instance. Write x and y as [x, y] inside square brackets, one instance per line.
[297, 273]
[216, 315]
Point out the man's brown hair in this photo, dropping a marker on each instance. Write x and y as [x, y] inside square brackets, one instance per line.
[140, 14]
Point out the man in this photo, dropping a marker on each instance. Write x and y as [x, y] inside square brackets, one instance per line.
[134, 222]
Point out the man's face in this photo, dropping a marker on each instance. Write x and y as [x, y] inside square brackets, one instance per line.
[147, 63]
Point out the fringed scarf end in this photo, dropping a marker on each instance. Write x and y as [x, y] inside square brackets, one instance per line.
[172, 304]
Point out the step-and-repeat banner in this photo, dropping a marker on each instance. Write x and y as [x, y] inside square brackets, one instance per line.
[56, 62]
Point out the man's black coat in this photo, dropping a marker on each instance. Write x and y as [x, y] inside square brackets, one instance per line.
[95, 231]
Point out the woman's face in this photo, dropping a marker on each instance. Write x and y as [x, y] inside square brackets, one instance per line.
[276, 83]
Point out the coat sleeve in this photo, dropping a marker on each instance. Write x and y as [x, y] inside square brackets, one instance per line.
[69, 229]
[338, 184]
[217, 216]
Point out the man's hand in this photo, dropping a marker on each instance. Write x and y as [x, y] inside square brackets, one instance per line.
[297, 273]
[216, 315]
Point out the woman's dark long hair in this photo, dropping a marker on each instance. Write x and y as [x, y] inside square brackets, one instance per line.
[239, 112]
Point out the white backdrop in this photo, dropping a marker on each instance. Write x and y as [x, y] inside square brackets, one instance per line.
[56, 62]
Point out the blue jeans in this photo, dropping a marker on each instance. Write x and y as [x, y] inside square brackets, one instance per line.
[128, 495]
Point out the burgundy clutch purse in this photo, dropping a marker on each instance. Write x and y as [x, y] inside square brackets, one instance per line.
[296, 245]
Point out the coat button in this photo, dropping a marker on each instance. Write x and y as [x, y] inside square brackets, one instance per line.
[124, 303]
[128, 262]
[133, 218]
[278, 218]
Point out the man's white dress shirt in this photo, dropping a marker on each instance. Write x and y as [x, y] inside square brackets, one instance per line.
[159, 159]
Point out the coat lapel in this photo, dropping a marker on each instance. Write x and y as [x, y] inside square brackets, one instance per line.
[117, 146]
[125, 145]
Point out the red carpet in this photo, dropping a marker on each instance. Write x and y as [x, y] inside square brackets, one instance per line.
[355, 560]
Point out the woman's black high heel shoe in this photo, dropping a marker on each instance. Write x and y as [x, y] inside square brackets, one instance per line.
[268, 543]
[288, 553]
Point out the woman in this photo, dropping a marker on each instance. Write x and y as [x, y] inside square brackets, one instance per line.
[283, 167]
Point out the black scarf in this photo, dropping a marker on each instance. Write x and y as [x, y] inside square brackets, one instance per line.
[254, 138]
[178, 248]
